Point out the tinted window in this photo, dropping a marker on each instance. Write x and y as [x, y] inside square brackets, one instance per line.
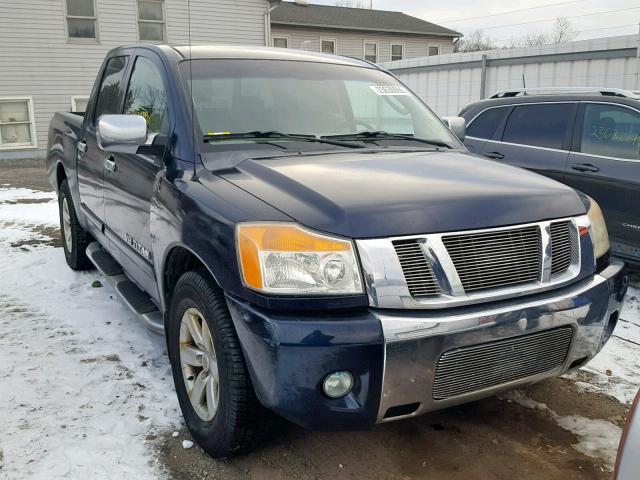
[611, 131]
[108, 98]
[485, 125]
[146, 95]
[539, 125]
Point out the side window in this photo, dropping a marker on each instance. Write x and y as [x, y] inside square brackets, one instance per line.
[543, 125]
[484, 126]
[146, 95]
[109, 93]
[610, 131]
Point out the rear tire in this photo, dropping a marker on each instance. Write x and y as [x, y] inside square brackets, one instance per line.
[199, 321]
[74, 239]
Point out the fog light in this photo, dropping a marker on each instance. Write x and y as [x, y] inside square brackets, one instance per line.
[337, 384]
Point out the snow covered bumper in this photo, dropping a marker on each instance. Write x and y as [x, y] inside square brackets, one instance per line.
[407, 362]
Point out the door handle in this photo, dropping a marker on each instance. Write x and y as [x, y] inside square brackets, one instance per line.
[110, 164]
[585, 167]
[81, 146]
[494, 155]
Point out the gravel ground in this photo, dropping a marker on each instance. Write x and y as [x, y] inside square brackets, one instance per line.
[515, 436]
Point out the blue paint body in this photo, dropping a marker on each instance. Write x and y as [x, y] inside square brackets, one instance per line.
[191, 199]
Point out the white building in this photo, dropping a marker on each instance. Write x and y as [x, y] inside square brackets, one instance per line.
[51, 50]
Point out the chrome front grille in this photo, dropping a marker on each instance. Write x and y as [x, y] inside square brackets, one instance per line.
[564, 246]
[497, 258]
[469, 369]
[439, 270]
[416, 269]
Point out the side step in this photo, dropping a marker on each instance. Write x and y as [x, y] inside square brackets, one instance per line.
[130, 294]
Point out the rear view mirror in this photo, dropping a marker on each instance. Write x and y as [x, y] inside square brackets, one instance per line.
[121, 133]
[457, 125]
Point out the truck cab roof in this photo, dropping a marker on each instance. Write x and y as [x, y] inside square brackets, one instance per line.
[198, 52]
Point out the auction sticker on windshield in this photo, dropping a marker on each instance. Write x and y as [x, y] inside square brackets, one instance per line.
[389, 90]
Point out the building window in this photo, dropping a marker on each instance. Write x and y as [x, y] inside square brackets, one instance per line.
[434, 50]
[328, 46]
[371, 52]
[151, 20]
[17, 129]
[397, 51]
[81, 19]
[280, 42]
[79, 104]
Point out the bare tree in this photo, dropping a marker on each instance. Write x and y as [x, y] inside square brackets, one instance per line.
[535, 40]
[475, 42]
[353, 3]
[562, 31]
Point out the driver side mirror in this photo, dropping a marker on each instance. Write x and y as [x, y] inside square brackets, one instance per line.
[121, 133]
[457, 125]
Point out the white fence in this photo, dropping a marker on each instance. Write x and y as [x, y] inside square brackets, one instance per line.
[449, 82]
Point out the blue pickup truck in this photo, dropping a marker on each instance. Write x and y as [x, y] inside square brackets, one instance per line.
[315, 244]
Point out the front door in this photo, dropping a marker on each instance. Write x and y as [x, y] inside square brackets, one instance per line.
[605, 164]
[90, 157]
[131, 179]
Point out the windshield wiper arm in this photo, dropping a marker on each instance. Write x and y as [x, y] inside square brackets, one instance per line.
[381, 135]
[274, 134]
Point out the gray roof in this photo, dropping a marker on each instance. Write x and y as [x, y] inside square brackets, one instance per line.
[255, 53]
[326, 16]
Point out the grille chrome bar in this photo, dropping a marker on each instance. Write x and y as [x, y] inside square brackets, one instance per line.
[470, 369]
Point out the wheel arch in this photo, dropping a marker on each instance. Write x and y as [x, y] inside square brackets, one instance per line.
[61, 175]
[180, 259]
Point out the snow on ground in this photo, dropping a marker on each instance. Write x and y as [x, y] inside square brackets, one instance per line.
[597, 438]
[84, 386]
[17, 220]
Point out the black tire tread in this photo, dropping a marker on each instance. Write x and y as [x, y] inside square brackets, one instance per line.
[76, 259]
[248, 423]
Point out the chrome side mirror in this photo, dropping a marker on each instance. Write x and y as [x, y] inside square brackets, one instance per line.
[121, 133]
[457, 125]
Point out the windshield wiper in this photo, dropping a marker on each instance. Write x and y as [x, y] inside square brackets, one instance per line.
[381, 135]
[212, 137]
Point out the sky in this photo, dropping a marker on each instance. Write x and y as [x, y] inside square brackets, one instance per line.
[591, 18]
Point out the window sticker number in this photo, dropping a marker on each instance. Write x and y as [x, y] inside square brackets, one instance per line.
[389, 90]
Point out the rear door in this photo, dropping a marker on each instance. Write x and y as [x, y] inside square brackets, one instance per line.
[605, 164]
[132, 178]
[90, 157]
[535, 136]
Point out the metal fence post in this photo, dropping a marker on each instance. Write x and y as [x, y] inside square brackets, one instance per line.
[483, 78]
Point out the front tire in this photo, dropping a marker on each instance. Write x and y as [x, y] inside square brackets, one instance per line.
[74, 239]
[214, 389]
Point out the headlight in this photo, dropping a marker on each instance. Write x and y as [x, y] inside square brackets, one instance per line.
[288, 259]
[599, 234]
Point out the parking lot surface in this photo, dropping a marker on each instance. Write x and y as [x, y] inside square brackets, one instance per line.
[87, 391]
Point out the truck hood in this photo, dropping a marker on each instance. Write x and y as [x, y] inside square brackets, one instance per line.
[393, 193]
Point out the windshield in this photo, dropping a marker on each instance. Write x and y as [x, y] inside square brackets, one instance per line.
[304, 98]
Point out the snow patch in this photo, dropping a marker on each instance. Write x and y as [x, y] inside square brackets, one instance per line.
[17, 194]
[597, 438]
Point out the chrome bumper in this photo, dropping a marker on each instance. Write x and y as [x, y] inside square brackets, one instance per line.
[416, 340]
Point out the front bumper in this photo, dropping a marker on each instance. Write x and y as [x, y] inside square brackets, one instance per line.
[393, 354]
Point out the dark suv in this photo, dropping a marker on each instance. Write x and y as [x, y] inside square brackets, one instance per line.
[586, 138]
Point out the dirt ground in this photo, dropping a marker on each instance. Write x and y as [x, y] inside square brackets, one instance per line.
[492, 439]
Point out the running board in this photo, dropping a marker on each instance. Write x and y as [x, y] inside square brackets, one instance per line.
[128, 292]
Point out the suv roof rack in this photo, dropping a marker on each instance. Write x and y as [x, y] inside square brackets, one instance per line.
[612, 92]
